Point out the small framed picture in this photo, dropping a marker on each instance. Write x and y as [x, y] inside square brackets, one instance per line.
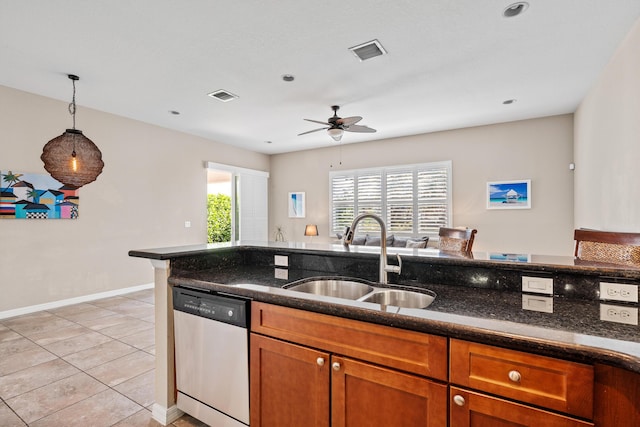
[514, 194]
[296, 205]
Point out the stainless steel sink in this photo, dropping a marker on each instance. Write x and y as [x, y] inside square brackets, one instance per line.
[401, 298]
[338, 288]
[363, 291]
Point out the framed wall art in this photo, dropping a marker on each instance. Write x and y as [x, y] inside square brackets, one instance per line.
[36, 196]
[296, 205]
[514, 194]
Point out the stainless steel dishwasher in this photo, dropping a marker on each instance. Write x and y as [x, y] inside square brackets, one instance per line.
[212, 356]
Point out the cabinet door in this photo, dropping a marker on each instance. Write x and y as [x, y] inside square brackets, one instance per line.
[289, 384]
[469, 409]
[372, 396]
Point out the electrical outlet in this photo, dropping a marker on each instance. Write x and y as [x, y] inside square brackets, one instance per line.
[619, 314]
[618, 292]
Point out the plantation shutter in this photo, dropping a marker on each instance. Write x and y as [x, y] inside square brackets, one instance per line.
[413, 200]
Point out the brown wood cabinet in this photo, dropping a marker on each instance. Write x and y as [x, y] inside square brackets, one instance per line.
[471, 409]
[317, 370]
[296, 385]
[542, 381]
[289, 384]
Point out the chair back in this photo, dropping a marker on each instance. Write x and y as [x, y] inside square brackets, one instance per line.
[456, 239]
[607, 246]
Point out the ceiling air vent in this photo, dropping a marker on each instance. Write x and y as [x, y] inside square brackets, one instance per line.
[223, 95]
[368, 50]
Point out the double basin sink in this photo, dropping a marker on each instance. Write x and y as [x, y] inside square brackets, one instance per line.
[355, 290]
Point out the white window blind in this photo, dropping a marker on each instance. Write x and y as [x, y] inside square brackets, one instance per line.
[413, 200]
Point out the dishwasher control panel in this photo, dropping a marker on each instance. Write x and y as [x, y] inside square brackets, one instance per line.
[222, 308]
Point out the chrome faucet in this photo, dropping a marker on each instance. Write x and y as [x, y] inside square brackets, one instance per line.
[384, 267]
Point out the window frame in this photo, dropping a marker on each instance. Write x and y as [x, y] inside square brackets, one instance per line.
[384, 203]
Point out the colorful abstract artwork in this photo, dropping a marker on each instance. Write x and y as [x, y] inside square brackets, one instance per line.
[36, 196]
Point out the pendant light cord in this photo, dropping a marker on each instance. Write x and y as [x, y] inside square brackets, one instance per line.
[72, 106]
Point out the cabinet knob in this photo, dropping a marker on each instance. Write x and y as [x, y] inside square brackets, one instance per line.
[458, 400]
[320, 361]
[515, 376]
[336, 366]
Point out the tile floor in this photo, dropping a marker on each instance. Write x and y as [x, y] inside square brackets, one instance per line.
[89, 364]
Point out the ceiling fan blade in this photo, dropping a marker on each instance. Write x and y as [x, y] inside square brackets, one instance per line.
[348, 121]
[317, 121]
[358, 128]
[310, 131]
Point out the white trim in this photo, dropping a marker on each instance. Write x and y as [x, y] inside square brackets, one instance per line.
[70, 301]
[235, 169]
[165, 416]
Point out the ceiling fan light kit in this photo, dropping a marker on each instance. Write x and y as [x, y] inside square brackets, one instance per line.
[335, 133]
[336, 126]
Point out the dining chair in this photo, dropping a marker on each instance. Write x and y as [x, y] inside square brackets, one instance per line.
[456, 239]
[607, 246]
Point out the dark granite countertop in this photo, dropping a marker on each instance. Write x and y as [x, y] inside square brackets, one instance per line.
[572, 331]
[531, 262]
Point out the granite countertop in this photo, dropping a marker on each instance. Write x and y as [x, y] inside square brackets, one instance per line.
[573, 330]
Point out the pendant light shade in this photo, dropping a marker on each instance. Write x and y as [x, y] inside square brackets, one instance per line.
[72, 158]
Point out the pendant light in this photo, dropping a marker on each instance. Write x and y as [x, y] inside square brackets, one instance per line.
[72, 158]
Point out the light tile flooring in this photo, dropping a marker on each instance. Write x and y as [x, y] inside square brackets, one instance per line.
[89, 364]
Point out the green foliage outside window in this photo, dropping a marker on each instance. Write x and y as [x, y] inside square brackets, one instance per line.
[218, 218]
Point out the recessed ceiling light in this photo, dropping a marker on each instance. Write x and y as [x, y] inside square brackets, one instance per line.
[288, 77]
[509, 101]
[223, 95]
[368, 50]
[515, 9]
[174, 112]
[268, 142]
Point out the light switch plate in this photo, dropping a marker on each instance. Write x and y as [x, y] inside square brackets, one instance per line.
[537, 285]
[281, 273]
[537, 303]
[281, 260]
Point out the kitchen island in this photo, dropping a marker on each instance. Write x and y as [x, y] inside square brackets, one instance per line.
[479, 300]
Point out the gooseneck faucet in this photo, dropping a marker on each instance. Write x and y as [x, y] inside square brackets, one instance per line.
[384, 267]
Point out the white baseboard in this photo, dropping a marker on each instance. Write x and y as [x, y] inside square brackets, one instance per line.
[164, 415]
[70, 301]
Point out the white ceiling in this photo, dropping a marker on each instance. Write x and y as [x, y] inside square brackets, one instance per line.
[450, 64]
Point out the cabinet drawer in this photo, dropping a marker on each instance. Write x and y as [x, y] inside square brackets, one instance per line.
[539, 380]
[410, 351]
[477, 410]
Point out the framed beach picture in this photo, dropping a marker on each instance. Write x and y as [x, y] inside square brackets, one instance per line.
[515, 194]
[296, 205]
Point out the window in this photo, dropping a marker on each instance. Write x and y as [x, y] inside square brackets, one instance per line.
[413, 200]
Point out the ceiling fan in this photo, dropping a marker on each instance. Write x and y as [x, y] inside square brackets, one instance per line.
[337, 125]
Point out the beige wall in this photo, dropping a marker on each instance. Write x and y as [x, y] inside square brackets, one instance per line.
[154, 179]
[539, 149]
[607, 145]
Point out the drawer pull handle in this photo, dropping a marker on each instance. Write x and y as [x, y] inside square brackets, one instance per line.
[336, 366]
[320, 361]
[515, 376]
[458, 400]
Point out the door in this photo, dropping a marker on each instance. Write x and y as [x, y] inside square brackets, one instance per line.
[289, 384]
[366, 395]
[249, 202]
